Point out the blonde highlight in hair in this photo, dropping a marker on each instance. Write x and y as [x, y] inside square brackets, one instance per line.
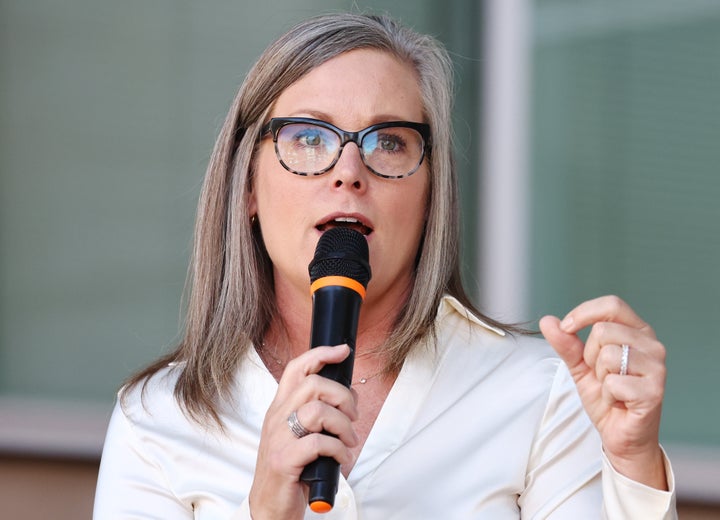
[231, 300]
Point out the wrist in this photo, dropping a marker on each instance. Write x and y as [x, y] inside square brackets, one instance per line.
[646, 467]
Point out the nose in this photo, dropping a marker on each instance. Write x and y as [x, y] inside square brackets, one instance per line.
[350, 170]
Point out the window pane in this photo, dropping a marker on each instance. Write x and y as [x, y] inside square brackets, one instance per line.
[626, 182]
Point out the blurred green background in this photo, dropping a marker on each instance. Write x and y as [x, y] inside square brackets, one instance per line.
[108, 113]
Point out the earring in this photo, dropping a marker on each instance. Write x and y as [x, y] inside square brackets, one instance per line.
[253, 220]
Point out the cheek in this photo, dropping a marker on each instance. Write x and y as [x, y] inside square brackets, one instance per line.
[278, 203]
[274, 191]
[407, 210]
[411, 205]
[282, 207]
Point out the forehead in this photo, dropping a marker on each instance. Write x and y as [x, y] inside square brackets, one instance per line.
[359, 87]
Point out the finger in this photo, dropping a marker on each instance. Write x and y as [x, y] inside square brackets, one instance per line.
[317, 445]
[605, 333]
[299, 452]
[568, 346]
[634, 392]
[639, 363]
[311, 362]
[608, 361]
[605, 308]
[318, 388]
[318, 417]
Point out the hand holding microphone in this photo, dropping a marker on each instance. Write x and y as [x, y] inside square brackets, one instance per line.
[339, 274]
[287, 478]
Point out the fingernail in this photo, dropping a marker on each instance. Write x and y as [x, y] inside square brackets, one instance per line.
[567, 324]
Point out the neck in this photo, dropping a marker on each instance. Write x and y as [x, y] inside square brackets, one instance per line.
[289, 333]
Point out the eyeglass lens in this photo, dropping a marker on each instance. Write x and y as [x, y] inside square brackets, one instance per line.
[310, 149]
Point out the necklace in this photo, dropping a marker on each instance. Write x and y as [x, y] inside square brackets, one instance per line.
[365, 379]
[264, 352]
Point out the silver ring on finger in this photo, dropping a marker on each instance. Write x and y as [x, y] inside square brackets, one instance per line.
[624, 360]
[296, 427]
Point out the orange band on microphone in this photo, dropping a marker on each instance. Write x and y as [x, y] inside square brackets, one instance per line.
[320, 506]
[342, 281]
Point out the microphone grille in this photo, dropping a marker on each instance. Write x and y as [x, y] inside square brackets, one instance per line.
[341, 252]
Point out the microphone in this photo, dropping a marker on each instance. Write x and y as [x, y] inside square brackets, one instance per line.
[339, 274]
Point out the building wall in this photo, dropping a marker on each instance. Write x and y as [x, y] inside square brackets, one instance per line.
[34, 489]
[108, 111]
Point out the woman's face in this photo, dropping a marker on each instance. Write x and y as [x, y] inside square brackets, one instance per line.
[351, 91]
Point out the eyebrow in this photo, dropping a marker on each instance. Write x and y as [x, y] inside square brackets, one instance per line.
[323, 116]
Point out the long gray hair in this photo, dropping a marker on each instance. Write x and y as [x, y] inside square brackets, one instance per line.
[231, 299]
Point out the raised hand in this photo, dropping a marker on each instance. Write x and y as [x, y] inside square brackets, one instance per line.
[620, 376]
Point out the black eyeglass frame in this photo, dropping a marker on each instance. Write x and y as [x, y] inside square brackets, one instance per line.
[275, 124]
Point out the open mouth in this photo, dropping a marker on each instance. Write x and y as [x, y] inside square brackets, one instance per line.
[348, 222]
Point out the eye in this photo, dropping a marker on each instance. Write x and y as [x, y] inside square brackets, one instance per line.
[308, 137]
[390, 142]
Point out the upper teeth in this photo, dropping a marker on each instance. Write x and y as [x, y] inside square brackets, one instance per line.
[347, 219]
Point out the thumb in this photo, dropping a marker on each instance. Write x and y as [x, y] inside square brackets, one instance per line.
[568, 346]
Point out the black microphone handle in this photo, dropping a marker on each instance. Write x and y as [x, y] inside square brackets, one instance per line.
[336, 311]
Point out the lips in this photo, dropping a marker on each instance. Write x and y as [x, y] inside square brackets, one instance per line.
[344, 221]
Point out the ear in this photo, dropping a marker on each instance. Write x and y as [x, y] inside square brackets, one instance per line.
[252, 204]
[252, 200]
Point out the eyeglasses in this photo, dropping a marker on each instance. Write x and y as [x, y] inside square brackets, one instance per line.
[305, 146]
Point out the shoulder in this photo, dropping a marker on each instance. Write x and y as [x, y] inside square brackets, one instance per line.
[510, 381]
[152, 398]
[467, 344]
[458, 325]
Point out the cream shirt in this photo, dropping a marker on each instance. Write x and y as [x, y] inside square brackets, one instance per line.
[486, 425]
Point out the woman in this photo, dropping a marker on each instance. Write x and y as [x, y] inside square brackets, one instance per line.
[450, 415]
